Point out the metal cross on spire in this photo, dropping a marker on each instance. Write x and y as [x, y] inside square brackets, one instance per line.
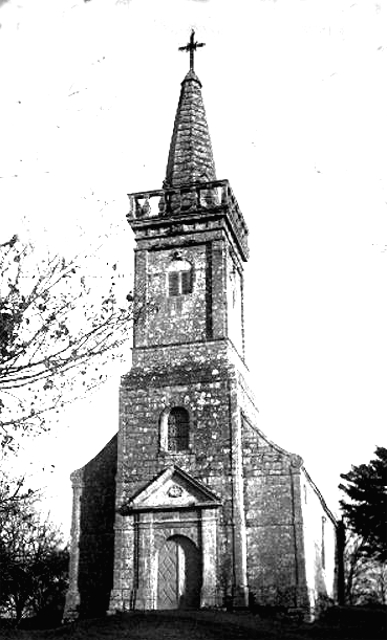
[191, 47]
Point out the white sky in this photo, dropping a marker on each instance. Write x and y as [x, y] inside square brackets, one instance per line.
[296, 104]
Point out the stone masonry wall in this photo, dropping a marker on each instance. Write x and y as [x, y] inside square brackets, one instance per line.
[158, 361]
[182, 357]
[174, 319]
[96, 531]
[235, 326]
[320, 542]
[269, 476]
[273, 517]
[212, 311]
[206, 395]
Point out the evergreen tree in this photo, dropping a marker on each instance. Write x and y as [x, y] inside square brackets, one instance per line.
[366, 511]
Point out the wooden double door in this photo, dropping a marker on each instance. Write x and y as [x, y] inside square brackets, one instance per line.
[179, 574]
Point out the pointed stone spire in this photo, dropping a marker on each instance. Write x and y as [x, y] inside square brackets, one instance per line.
[190, 154]
[190, 190]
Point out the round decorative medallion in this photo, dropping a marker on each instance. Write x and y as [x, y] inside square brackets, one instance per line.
[175, 491]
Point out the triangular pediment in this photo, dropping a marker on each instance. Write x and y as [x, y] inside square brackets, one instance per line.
[174, 489]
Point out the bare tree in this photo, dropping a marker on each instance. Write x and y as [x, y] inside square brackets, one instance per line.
[58, 328]
[13, 493]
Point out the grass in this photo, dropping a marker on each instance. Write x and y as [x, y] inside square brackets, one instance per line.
[339, 624]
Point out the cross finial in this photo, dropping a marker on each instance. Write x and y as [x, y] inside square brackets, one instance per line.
[191, 47]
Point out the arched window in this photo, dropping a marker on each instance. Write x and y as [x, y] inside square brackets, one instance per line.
[178, 429]
[179, 278]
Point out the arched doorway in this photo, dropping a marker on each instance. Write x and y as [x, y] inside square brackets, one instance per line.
[178, 574]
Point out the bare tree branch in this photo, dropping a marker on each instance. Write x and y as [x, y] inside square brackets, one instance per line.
[54, 323]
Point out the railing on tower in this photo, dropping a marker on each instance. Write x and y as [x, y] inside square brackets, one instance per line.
[200, 197]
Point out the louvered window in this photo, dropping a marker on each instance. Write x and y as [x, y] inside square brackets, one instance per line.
[186, 281]
[178, 429]
[180, 278]
[173, 283]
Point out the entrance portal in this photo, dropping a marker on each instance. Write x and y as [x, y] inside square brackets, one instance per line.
[179, 574]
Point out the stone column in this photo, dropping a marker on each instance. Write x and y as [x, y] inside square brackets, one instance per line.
[217, 280]
[301, 596]
[146, 560]
[122, 596]
[73, 599]
[209, 592]
[140, 304]
[240, 592]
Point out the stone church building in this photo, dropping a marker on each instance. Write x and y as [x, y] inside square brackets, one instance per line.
[190, 504]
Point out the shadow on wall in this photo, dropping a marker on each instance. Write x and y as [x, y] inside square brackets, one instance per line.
[96, 544]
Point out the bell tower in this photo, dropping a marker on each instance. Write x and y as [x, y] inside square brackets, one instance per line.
[191, 242]
[179, 403]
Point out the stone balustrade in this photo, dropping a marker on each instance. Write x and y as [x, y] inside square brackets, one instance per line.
[200, 197]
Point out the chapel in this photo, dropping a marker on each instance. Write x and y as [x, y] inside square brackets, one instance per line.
[190, 505]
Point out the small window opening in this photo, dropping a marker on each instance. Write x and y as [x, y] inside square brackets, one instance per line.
[178, 429]
[179, 278]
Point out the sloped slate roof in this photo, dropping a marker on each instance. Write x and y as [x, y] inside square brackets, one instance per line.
[190, 154]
